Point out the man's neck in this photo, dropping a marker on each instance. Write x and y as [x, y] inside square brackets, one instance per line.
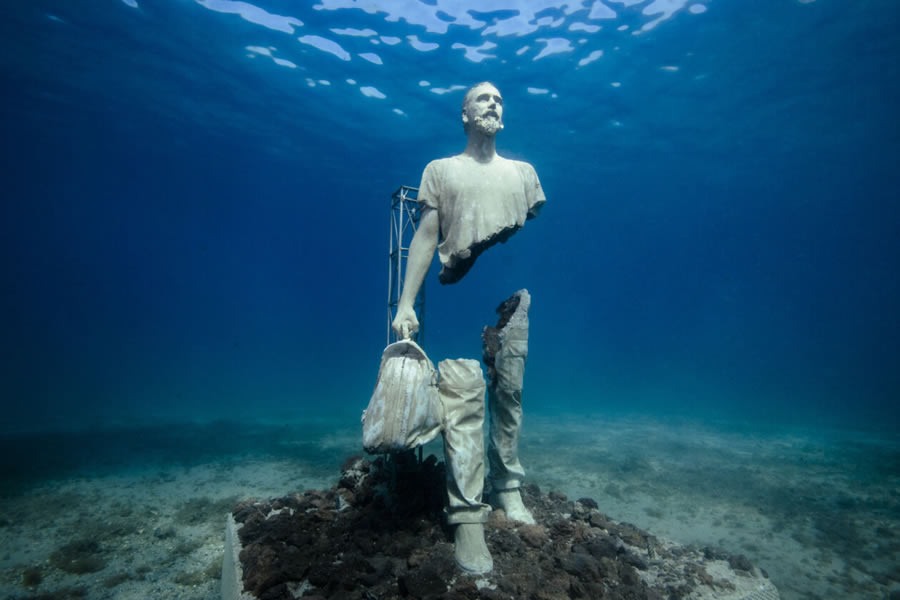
[481, 147]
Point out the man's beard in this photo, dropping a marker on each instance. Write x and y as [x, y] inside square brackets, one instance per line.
[487, 124]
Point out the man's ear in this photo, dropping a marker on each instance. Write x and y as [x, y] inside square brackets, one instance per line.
[465, 117]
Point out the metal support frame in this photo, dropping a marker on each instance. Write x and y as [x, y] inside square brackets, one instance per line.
[405, 213]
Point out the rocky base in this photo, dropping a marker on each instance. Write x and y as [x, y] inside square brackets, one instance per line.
[379, 534]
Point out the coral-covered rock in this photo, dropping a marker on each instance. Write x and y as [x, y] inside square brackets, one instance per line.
[379, 533]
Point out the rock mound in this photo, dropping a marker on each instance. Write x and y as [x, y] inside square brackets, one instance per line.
[379, 534]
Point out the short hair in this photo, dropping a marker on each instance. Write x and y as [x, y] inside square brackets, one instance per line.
[469, 92]
[468, 97]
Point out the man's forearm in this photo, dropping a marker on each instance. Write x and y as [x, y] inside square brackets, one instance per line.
[421, 251]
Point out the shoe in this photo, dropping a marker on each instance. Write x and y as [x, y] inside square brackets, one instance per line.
[511, 503]
[472, 554]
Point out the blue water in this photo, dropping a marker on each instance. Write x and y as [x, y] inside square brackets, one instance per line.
[193, 231]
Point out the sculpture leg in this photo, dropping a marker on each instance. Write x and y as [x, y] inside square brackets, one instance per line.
[462, 395]
[505, 351]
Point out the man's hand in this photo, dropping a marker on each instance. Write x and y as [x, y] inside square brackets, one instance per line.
[405, 323]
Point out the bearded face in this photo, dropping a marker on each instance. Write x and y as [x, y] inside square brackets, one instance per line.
[483, 109]
[489, 123]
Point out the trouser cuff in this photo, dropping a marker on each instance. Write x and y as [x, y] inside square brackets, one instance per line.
[505, 483]
[474, 515]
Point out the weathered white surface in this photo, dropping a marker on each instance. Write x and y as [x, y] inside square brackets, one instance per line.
[505, 353]
[462, 396]
[232, 573]
[510, 359]
[479, 204]
[405, 408]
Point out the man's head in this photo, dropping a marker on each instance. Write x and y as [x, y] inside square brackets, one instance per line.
[482, 109]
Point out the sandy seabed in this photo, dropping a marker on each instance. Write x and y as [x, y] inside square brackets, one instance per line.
[138, 513]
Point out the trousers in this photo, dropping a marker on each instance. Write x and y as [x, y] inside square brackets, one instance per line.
[462, 392]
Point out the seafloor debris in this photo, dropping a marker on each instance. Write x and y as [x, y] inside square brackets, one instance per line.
[379, 534]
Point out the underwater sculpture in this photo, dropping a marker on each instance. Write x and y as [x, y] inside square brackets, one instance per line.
[334, 543]
[470, 202]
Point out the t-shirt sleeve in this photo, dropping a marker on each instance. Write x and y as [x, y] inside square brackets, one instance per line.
[534, 193]
[429, 188]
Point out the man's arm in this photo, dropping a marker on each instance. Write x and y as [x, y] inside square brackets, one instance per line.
[421, 251]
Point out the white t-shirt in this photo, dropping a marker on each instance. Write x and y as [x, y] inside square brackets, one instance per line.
[478, 204]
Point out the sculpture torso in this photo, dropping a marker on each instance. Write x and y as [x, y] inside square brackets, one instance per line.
[478, 204]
